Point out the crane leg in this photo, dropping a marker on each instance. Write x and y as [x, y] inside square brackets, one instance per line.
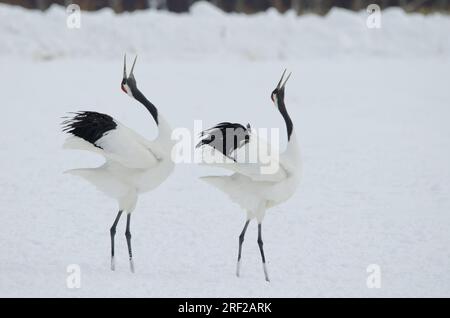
[112, 231]
[260, 243]
[128, 236]
[241, 240]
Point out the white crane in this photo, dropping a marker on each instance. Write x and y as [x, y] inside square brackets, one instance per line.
[133, 164]
[249, 187]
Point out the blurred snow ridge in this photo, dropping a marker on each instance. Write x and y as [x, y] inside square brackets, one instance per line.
[207, 32]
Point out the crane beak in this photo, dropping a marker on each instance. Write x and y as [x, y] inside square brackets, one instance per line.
[128, 82]
[287, 79]
[280, 85]
[125, 67]
[125, 77]
[132, 68]
[281, 80]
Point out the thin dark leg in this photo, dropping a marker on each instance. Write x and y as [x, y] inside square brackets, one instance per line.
[128, 236]
[112, 231]
[260, 243]
[241, 240]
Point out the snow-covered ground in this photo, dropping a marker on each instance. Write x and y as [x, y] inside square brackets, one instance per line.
[371, 108]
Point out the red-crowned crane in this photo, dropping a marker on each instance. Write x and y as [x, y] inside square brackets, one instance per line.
[251, 188]
[133, 164]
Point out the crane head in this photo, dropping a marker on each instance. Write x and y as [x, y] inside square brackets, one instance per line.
[278, 93]
[128, 84]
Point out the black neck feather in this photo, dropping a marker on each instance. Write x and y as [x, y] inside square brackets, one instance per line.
[287, 118]
[144, 101]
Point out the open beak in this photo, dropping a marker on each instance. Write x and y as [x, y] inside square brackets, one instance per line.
[280, 85]
[125, 77]
[125, 82]
[125, 68]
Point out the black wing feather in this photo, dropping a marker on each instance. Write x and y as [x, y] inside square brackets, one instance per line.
[90, 126]
[225, 137]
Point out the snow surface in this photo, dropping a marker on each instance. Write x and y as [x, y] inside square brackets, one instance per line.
[208, 34]
[371, 108]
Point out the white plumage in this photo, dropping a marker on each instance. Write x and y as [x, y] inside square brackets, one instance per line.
[133, 165]
[257, 192]
[248, 186]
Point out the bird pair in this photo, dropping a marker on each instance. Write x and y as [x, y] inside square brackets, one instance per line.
[134, 165]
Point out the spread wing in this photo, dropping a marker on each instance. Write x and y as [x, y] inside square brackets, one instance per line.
[101, 134]
[236, 148]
